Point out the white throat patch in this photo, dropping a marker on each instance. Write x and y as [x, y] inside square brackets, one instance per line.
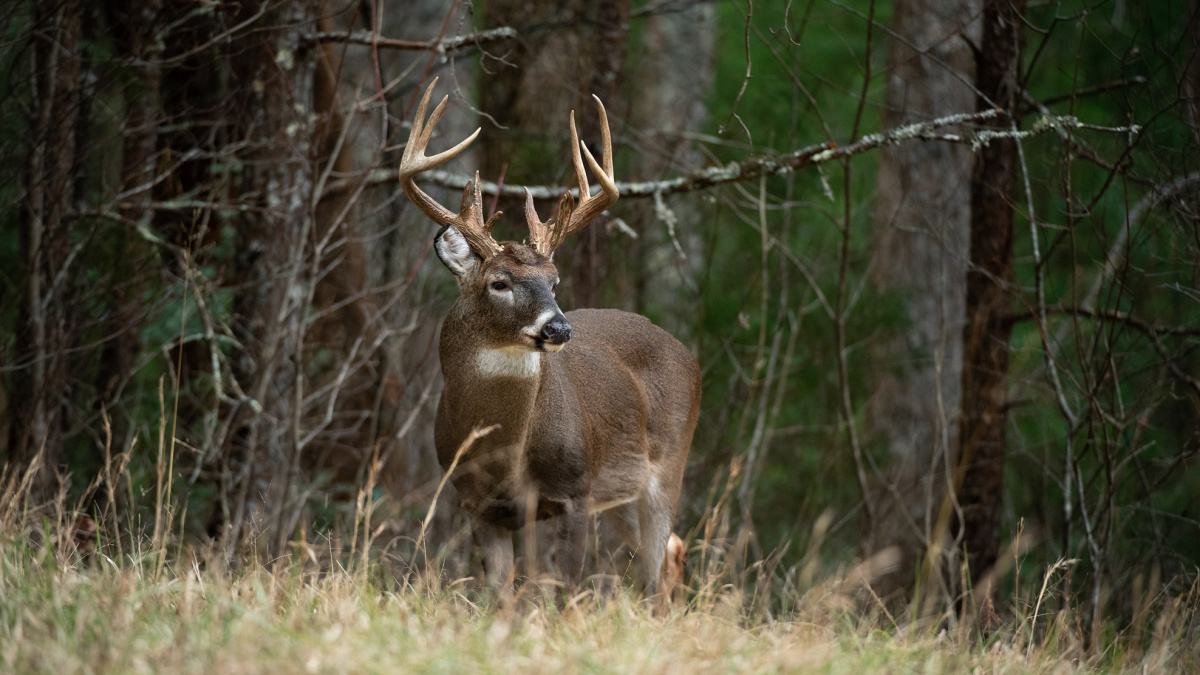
[508, 362]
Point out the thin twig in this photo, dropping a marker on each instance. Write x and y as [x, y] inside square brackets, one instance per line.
[847, 407]
[745, 81]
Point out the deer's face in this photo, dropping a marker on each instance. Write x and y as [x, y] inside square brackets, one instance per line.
[509, 297]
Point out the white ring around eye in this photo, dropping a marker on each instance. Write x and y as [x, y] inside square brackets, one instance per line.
[506, 294]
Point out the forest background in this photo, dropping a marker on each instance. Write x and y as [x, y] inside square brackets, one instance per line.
[938, 261]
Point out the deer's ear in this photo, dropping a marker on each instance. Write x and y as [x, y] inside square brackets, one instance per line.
[454, 252]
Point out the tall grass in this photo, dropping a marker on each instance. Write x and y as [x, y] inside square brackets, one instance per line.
[73, 599]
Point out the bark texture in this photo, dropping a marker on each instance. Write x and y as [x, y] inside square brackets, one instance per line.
[40, 377]
[673, 81]
[989, 288]
[569, 51]
[135, 24]
[608, 70]
[1191, 77]
[273, 244]
[923, 220]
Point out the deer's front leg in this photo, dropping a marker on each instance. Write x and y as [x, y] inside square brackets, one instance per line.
[496, 543]
[572, 534]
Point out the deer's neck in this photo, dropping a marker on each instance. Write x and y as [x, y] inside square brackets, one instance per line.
[487, 386]
[511, 362]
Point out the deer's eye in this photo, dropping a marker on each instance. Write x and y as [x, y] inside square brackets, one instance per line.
[499, 285]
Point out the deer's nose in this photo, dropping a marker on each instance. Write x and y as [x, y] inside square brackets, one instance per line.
[556, 331]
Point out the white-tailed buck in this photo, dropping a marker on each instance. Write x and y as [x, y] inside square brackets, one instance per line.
[603, 423]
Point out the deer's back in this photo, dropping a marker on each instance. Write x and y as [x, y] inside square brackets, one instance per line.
[602, 336]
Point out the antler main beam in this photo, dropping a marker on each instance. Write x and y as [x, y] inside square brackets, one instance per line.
[547, 236]
[469, 219]
[544, 237]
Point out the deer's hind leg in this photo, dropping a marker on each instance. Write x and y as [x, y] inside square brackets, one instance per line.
[624, 520]
[655, 513]
[645, 526]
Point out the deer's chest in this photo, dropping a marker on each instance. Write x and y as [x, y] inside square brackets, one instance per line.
[534, 458]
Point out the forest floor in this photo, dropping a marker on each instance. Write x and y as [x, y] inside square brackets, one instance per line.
[62, 614]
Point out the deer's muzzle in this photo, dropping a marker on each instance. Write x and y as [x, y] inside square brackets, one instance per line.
[554, 333]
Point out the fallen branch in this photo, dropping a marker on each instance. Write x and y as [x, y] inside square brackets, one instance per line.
[753, 168]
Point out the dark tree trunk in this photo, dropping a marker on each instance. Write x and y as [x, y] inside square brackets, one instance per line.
[135, 25]
[340, 299]
[557, 71]
[989, 288]
[923, 216]
[608, 69]
[1191, 75]
[39, 381]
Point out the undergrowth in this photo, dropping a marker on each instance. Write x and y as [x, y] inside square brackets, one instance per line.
[72, 603]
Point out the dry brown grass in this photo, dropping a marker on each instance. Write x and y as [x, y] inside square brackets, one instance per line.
[64, 611]
[74, 600]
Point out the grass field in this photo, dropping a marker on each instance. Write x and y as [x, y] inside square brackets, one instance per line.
[156, 611]
[73, 600]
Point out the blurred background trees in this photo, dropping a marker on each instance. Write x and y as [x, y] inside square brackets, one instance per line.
[975, 341]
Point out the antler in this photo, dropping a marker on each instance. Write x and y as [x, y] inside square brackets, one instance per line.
[469, 219]
[546, 236]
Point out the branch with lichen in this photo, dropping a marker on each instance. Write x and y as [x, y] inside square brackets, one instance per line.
[442, 46]
[754, 168]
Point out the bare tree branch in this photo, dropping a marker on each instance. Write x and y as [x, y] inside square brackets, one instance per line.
[1088, 91]
[366, 37]
[1110, 315]
[754, 168]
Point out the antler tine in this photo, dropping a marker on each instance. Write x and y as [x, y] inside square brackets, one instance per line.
[580, 175]
[539, 232]
[469, 219]
[545, 237]
[414, 160]
[590, 205]
[606, 140]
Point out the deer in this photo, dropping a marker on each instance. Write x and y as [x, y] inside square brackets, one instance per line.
[592, 410]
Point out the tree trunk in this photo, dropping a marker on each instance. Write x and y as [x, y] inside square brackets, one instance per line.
[271, 266]
[43, 326]
[1191, 75]
[590, 261]
[135, 24]
[582, 53]
[345, 311]
[673, 80]
[922, 229]
[989, 284]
